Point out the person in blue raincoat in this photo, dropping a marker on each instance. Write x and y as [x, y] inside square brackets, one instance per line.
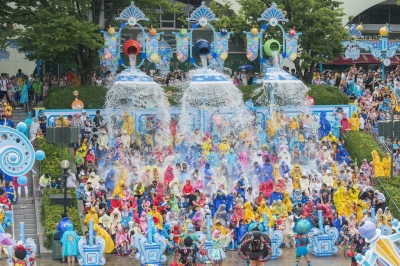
[232, 158]
[261, 137]
[212, 159]
[70, 240]
[336, 127]
[229, 202]
[190, 158]
[207, 174]
[110, 180]
[218, 199]
[267, 171]
[241, 187]
[241, 230]
[341, 156]
[62, 225]
[276, 195]
[28, 121]
[284, 169]
[237, 171]
[324, 125]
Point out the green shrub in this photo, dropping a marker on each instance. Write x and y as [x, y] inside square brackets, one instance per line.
[359, 145]
[61, 98]
[327, 95]
[94, 97]
[51, 214]
[391, 189]
[51, 163]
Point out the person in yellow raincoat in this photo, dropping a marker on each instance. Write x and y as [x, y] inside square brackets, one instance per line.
[224, 147]
[296, 182]
[276, 120]
[263, 208]
[287, 201]
[91, 215]
[354, 122]
[1, 213]
[248, 213]
[331, 137]
[378, 167]
[296, 171]
[206, 147]
[360, 208]
[387, 165]
[158, 216]
[84, 147]
[270, 128]
[294, 124]
[276, 172]
[119, 190]
[106, 237]
[219, 226]
[149, 140]
[127, 123]
[8, 109]
[281, 209]
[353, 194]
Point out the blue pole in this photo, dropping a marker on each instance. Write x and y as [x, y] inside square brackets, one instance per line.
[208, 222]
[150, 228]
[22, 232]
[373, 215]
[320, 67]
[320, 222]
[91, 233]
[266, 222]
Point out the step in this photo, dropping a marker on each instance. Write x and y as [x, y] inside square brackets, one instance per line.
[24, 217]
[27, 225]
[23, 201]
[26, 231]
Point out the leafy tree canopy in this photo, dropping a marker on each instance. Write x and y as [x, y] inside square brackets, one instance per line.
[320, 22]
[62, 30]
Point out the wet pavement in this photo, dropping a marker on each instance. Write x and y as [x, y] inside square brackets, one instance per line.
[287, 259]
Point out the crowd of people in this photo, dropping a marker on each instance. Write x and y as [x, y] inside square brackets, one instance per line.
[286, 171]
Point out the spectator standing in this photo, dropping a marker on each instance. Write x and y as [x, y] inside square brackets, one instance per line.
[43, 122]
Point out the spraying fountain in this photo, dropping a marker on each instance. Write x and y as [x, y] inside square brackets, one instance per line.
[278, 86]
[133, 89]
[209, 89]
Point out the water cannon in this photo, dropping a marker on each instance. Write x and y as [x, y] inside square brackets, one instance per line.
[131, 47]
[271, 46]
[202, 47]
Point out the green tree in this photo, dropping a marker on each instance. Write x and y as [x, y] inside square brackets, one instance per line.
[320, 22]
[62, 31]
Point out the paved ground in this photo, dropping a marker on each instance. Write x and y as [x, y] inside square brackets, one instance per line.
[287, 259]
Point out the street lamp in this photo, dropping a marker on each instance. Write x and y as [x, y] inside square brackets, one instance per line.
[65, 166]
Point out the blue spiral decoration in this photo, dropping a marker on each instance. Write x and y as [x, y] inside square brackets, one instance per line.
[16, 152]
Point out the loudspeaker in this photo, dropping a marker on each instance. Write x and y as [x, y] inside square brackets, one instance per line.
[385, 128]
[54, 135]
[396, 128]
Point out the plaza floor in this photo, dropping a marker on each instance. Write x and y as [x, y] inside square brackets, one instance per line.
[287, 259]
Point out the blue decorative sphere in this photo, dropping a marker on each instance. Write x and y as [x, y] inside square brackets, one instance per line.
[22, 127]
[40, 155]
[13, 157]
[395, 222]
[22, 180]
[202, 47]
[367, 229]
[303, 226]
[358, 257]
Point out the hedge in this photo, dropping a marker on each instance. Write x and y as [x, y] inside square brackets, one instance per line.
[61, 98]
[51, 214]
[94, 97]
[359, 145]
[390, 188]
[327, 95]
[51, 163]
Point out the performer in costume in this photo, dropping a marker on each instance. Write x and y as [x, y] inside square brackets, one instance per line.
[302, 228]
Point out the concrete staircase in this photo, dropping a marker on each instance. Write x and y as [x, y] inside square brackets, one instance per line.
[24, 211]
[18, 115]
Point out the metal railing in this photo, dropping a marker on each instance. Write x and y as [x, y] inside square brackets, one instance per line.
[388, 197]
[381, 141]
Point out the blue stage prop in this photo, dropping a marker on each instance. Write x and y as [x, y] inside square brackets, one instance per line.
[92, 253]
[322, 243]
[151, 248]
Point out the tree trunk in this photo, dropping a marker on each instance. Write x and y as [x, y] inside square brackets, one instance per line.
[85, 59]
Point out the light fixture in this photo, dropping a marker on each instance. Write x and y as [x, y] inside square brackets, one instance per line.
[64, 164]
